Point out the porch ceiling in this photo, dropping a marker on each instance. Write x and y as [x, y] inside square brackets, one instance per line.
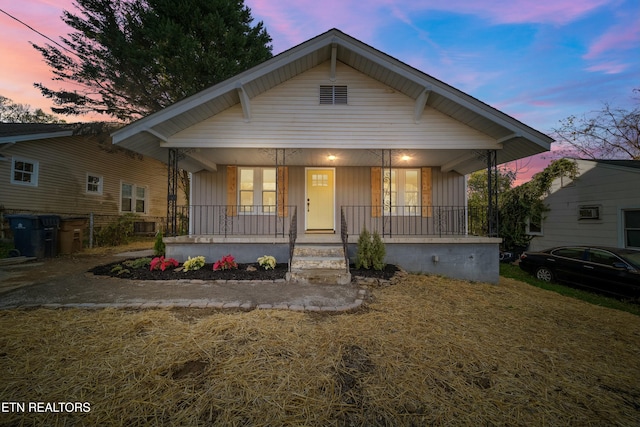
[517, 140]
[317, 157]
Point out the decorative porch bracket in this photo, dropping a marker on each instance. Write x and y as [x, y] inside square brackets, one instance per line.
[492, 187]
[172, 191]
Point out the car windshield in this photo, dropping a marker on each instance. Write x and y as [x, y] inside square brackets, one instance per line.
[633, 257]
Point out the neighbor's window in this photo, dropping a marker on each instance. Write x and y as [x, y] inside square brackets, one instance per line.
[401, 191]
[133, 198]
[632, 228]
[94, 184]
[257, 187]
[24, 172]
[534, 225]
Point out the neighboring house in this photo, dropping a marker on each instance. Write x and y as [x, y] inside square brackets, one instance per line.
[601, 207]
[329, 137]
[49, 169]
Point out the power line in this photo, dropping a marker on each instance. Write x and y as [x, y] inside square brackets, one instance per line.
[37, 32]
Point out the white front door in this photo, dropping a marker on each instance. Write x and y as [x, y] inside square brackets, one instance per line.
[320, 200]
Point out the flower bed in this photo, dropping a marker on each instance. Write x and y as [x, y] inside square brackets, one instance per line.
[138, 269]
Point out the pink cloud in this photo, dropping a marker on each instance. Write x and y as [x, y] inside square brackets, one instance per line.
[291, 22]
[21, 64]
[510, 11]
[608, 67]
[623, 36]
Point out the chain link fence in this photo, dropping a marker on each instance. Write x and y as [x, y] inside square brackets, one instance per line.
[90, 229]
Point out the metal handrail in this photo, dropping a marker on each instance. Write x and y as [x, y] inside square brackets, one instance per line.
[344, 236]
[293, 234]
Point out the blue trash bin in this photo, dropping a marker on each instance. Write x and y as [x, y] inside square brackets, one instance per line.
[26, 234]
[35, 235]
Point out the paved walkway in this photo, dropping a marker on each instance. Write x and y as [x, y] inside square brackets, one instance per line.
[79, 289]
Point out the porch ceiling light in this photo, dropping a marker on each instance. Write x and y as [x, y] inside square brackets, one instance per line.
[405, 158]
[331, 157]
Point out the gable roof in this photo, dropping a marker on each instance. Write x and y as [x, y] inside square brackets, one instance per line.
[619, 163]
[16, 132]
[517, 139]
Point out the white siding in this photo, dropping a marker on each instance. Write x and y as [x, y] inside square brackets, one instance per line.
[290, 116]
[611, 188]
[353, 188]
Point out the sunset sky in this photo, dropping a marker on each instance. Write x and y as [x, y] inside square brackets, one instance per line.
[536, 60]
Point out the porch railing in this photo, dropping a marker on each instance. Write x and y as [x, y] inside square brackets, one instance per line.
[391, 221]
[232, 220]
[266, 220]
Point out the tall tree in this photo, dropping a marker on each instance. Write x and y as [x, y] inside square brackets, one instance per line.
[526, 202]
[478, 196]
[604, 134]
[10, 112]
[134, 57]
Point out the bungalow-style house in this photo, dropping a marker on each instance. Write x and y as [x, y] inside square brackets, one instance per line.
[323, 140]
[55, 169]
[600, 207]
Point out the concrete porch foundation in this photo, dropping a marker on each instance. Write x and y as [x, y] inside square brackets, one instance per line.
[467, 258]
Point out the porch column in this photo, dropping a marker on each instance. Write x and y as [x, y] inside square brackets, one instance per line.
[281, 191]
[492, 191]
[386, 189]
[172, 192]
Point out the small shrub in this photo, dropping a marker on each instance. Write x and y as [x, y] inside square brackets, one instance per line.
[159, 246]
[371, 251]
[362, 255]
[6, 246]
[267, 262]
[118, 232]
[193, 264]
[378, 251]
[137, 263]
[119, 269]
[225, 263]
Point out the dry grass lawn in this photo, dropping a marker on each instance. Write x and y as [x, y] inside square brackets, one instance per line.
[426, 351]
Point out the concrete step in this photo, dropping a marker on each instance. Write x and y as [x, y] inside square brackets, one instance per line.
[320, 276]
[319, 264]
[322, 263]
[318, 250]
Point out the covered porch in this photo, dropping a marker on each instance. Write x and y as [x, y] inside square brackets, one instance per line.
[442, 243]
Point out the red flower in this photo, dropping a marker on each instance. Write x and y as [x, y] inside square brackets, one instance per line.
[225, 263]
[162, 263]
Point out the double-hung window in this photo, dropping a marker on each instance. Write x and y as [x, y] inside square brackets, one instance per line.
[401, 191]
[24, 172]
[632, 228]
[133, 198]
[257, 190]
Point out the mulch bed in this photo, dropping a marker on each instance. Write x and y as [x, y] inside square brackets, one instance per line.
[250, 271]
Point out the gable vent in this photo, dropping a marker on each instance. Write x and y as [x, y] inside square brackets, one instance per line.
[333, 95]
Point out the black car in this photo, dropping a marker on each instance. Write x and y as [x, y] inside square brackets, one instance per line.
[612, 270]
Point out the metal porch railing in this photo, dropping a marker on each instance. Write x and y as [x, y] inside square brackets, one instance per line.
[391, 221]
[235, 220]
